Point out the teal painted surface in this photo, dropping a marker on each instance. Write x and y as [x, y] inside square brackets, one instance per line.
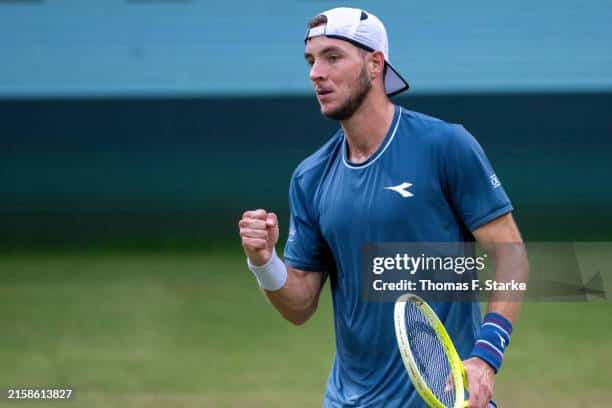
[246, 47]
[173, 171]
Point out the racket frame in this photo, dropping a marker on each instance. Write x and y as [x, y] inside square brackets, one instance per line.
[456, 366]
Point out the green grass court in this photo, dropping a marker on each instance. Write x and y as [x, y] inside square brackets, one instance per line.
[186, 330]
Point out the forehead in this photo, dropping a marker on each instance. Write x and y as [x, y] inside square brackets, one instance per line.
[318, 44]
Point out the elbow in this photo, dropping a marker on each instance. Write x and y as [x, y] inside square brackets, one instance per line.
[301, 316]
[297, 320]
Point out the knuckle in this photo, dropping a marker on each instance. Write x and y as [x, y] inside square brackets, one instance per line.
[254, 233]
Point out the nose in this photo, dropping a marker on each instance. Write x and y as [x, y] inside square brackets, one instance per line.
[316, 72]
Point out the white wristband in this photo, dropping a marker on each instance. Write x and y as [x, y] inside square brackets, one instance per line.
[272, 275]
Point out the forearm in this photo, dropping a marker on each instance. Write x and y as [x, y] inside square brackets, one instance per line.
[297, 300]
[511, 264]
[501, 239]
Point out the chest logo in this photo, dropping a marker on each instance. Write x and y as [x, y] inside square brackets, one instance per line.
[402, 189]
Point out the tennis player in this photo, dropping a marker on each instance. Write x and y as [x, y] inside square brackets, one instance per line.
[388, 174]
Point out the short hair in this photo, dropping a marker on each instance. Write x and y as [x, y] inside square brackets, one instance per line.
[319, 20]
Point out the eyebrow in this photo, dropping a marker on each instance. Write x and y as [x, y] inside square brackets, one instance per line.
[331, 48]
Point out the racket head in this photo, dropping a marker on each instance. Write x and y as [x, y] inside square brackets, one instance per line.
[428, 318]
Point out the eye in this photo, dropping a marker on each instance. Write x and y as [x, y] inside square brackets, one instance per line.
[333, 58]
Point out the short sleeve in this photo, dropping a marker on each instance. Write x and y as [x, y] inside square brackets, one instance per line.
[305, 248]
[473, 187]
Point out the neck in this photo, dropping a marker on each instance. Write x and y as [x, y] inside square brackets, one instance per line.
[367, 128]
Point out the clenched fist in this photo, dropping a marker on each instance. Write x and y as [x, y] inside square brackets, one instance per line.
[259, 234]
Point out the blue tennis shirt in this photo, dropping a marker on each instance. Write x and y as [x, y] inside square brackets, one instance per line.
[442, 187]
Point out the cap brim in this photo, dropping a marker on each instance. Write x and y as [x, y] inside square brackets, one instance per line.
[394, 83]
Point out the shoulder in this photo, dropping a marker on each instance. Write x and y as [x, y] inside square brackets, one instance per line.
[310, 170]
[431, 130]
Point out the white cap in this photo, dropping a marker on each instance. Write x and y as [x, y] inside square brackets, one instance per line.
[363, 30]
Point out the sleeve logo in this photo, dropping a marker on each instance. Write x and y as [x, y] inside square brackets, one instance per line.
[494, 181]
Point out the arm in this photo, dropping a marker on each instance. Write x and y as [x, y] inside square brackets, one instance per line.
[297, 297]
[502, 239]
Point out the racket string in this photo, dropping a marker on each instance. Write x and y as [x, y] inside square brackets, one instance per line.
[429, 355]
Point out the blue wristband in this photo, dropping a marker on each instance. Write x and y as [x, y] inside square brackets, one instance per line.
[493, 339]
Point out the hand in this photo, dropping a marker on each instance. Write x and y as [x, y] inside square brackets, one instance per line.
[259, 234]
[481, 379]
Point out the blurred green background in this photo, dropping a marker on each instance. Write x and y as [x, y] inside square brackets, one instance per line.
[142, 329]
[134, 134]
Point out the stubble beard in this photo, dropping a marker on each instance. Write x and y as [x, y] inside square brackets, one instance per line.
[354, 101]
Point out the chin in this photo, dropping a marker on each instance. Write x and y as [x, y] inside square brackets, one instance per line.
[326, 109]
[336, 113]
[329, 109]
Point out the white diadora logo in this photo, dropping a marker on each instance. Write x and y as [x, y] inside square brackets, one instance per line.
[494, 181]
[502, 340]
[402, 189]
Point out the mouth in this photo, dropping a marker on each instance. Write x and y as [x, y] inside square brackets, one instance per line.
[323, 95]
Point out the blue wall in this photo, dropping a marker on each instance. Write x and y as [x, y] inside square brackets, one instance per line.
[144, 47]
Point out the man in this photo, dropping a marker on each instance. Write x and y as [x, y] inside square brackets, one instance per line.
[339, 202]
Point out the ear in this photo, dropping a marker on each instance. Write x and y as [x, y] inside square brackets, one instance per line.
[376, 64]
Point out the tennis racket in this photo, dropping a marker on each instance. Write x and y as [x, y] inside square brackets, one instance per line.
[429, 354]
